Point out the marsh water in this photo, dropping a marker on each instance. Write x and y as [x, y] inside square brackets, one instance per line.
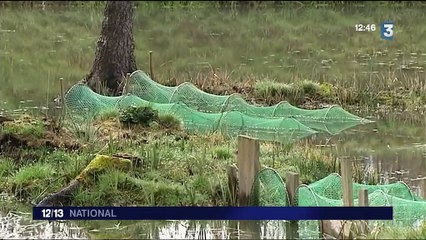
[28, 72]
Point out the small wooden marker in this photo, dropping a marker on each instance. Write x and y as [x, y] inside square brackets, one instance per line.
[346, 170]
[61, 81]
[151, 71]
[363, 202]
[248, 167]
[232, 172]
[292, 185]
[423, 186]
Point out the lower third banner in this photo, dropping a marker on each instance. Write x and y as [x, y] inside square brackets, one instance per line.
[212, 213]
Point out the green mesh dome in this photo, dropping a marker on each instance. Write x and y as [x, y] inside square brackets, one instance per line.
[268, 189]
[331, 187]
[81, 101]
[407, 208]
[332, 120]
[405, 212]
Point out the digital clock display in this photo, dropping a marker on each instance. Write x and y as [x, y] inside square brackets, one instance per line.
[365, 28]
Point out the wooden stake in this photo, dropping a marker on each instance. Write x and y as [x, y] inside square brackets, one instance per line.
[61, 81]
[363, 198]
[292, 183]
[151, 71]
[232, 172]
[335, 228]
[423, 186]
[363, 202]
[346, 170]
[248, 167]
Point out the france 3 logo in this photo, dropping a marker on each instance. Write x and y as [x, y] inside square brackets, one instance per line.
[386, 30]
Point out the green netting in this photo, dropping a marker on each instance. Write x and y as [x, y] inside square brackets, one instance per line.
[81, 101]
[270, 190]
[332, 120]
[331, 188]
[405, 212]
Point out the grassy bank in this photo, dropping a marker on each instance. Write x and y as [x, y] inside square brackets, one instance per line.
[304, 55]
[174, 168]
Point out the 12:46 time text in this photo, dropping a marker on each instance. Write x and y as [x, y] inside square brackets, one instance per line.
[365, 28]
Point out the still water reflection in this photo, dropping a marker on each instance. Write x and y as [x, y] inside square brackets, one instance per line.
[19, 225]
[396, 150]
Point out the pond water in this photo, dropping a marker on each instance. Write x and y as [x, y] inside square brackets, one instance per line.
[395, 148]
[19, 225]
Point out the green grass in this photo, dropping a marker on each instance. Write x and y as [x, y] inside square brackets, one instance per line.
[31, 182]
[175, 170]
[33, 172]
[169, 121]
[7, 167]
[27, 129]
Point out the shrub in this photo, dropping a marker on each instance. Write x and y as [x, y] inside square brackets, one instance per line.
[169, 121]
[310, 88]
[143, 115]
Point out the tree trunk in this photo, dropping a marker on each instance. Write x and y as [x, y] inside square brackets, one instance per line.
[115, 49]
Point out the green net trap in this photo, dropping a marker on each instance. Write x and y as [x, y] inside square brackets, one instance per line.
[331, 188]
[268, 189]
[203, 112]
[408, 210]
[82, 102]
[333, 119]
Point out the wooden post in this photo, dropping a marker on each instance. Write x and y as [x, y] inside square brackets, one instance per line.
[363, 198]
[423, 186]
[363, 202]
[151, 71]
[337, 228]
[232, 172]
[292, 183]
[63, 110]
[346, 170]
[248, 167]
